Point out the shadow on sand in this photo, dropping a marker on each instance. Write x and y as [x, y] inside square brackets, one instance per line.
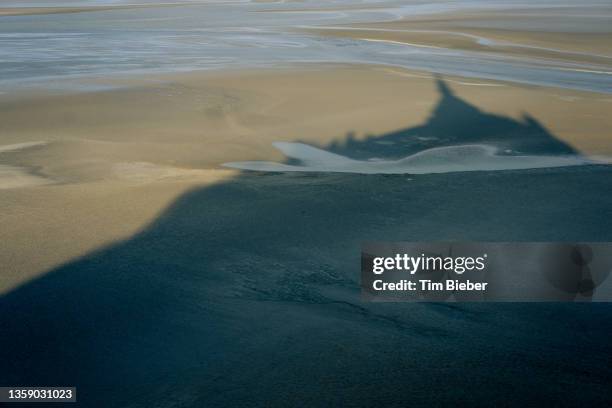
[452, 122]
[245, 293]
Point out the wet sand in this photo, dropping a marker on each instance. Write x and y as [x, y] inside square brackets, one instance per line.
[546, 34]
[26, 11]
[31, 11]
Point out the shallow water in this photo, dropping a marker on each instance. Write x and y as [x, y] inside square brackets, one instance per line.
[40, 49]
[448, 159]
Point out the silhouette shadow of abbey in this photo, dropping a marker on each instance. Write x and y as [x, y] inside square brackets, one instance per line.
[454, 121]
[245, 293]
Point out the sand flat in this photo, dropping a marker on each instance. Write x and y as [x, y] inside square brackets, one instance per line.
[128, 153]
[144, 245]
[587, 48]
[548, 34]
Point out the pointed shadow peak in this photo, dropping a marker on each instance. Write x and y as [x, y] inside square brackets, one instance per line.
[531, 121]
[443, 87]
[454, 121]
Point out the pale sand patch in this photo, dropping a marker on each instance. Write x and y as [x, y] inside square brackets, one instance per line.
[14, 176]
[124, 155]
[20, 146]
[143, 172]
